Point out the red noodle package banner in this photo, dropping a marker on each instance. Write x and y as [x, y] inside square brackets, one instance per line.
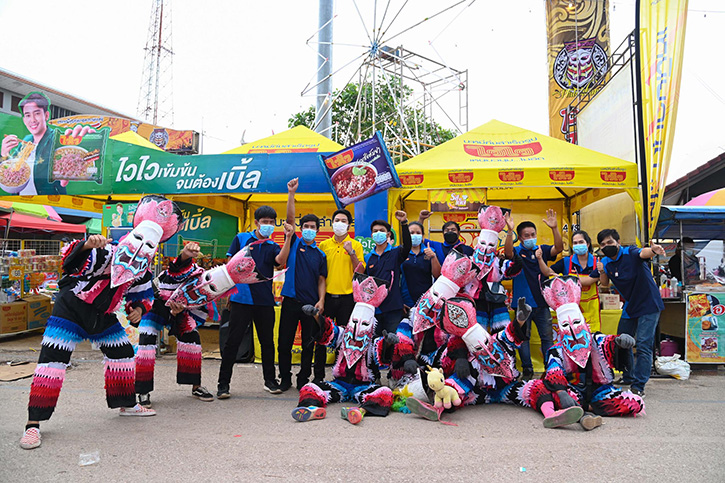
[360, 171]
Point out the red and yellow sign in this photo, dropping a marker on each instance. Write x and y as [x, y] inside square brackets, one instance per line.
[503, 151]
[467, 199]
[460, 177]
[510, 176]
[661, 48]
[561, 174]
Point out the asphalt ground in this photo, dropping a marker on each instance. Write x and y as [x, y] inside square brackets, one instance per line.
[252, 436]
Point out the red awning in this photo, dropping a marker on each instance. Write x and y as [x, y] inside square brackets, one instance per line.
[28, 222]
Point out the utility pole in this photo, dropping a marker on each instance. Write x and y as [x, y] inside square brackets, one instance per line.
[323, 113]
[155, 100]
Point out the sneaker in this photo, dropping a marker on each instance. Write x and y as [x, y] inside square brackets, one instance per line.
[272, 387]
[423, 409]
[308, 413]
[637, 392]
[589, 421]
[30, 439]
[202, 394]
[564, 417]
[285, 385]
[137, 410]
[622, 382]
[222, 391]
[354, 415]
[145, 400]
[528, 374]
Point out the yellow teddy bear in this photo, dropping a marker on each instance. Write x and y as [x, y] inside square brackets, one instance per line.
[444, 395]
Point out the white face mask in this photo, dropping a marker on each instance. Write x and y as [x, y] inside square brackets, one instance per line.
[135, 253]
[340, 228]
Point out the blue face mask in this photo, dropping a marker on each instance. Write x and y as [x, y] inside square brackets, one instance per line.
[266, 230]
[530, 243]
[380, 237]
[416, 240]
[580, 249]
[308, 234]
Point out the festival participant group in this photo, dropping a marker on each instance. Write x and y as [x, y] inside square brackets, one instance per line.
[423, 327]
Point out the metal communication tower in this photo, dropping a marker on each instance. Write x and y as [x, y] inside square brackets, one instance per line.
[155, 100]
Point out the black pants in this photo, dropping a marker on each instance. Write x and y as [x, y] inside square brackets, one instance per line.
[388, 321]
[339, 308]
[240, 316]
[290, 316]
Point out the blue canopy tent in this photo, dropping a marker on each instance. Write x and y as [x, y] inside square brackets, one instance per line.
[696, 222]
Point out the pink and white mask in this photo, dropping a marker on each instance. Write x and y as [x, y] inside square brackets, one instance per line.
[205, 286]
[563, 295]
[368, 293]
[135, 252]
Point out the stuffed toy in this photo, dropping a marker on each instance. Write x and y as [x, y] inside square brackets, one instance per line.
[444, 395]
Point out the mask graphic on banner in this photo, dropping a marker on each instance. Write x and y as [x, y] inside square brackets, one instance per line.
[416, 240]
[156, 220]
[368, 293]
[204, 286]
[340, 228]
[563, 295]
[266, 230]
[580, 248]
[610, 251]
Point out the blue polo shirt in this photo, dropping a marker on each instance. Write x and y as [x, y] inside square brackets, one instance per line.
[567, 265]
[304, 266]
[382, 266]
[417, 276]
[633, 278]
[263, 255]
[443, 249]
[528, 282]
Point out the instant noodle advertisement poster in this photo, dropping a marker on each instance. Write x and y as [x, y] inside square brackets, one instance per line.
[360, 171]
[705, 328]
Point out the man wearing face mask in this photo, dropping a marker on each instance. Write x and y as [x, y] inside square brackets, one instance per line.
[527, 283]
[451, 239]
[344, 257]
[384, 263]
[304, 285]
[420, 268]
[628, 268]
[255, 302]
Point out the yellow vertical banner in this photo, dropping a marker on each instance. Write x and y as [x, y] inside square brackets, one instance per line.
[578, 49]
[661, 48]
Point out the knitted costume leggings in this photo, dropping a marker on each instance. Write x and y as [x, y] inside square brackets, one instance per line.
[59, 340]
[373, 398]
[188, 355]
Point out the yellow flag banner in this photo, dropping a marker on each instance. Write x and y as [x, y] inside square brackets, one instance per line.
[661, 48]
[578, 49]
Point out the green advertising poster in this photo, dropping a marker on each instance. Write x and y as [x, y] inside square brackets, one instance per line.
[211, 229]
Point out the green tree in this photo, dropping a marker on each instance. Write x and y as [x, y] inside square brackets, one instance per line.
[405, 127]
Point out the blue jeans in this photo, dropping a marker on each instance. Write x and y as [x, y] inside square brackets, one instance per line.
[542, 318]
[643, 329]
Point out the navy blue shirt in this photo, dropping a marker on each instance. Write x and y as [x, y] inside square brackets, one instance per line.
[382, 266]
[570, 265]
[263, 255]
[305, 265]
[528, 282]
[633, 278]
[443, 249]
[417, 276]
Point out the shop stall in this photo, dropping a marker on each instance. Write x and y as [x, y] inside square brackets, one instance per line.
[692, 280]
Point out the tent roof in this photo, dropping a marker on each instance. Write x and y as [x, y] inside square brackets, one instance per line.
[18, 220]
[299, 139]
[515, 163]
[131, 137]
[698, 222]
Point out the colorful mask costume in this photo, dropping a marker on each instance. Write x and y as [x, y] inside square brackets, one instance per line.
[357, 365]
[93, 286]
[580, 363]
[489, 294]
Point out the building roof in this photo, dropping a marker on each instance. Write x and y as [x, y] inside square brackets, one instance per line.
[698, 181]
[13, 82]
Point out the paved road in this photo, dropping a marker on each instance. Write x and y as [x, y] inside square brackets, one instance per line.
[252, 436]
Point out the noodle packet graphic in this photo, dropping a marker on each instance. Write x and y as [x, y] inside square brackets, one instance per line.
[78, 159]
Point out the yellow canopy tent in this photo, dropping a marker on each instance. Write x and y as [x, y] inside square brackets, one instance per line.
[299, 139]
[514, 167]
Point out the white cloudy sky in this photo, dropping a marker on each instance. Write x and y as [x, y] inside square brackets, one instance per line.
[241, 65]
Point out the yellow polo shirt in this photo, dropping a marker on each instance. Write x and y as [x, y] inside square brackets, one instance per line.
[339, 267]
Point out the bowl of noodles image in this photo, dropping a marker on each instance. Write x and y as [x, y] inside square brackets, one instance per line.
[354, 181]
[14, 176]
[74, 163]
